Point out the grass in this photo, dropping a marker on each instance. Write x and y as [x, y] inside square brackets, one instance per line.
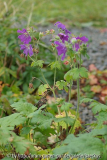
[73, 12]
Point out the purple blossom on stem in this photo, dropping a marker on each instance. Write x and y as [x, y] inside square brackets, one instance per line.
[79, 42]
[27, 48]
[62, 26]
[61, 48]
[24, 37]
[63, 37]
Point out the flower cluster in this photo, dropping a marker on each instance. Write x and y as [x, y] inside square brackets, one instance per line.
[76, 42]
[61, 48]
[25, 38]
[63, 42]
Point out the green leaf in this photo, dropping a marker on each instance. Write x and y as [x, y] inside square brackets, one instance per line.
[24, 108]
[26, 130]
[85, 100]
[40, 138]
[76, 73]
[83, 72]
[66, 106]
[80, 145]
[42, 89]
[21, 144]
[61, 84]
[12, 120]
[66, 120]
[37, 63]
[97, 107]
[101, 117]
[4, 136]
[8, 158]
[55, 64]
[68, 76]
[43, 119]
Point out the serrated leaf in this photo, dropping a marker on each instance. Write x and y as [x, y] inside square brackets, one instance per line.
[24, 108]
[43, 119]
[4, 136]
[73, 145]
[63, 120]
[66, 106]
[12, 120]
[85, 100]
[26, 130]
[37, 63]
[76, 73]
[68, 76]
[97, 107]
[83, 72]
[42, 89]
[55, 64]
[21, 144]
[61, 84]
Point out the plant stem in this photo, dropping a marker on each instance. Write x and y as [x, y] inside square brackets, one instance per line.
[78, 103]
[55, 99]
[70, 90]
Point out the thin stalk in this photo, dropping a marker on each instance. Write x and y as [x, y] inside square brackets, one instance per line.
[70, 90]
[54, 77]
[78, 98]
[78, 103]
[55, 99]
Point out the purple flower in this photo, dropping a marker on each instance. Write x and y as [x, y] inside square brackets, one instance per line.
[79, 42]
[62, 26]
[61, 48]
[27, 49]
[24, 37]
[63, 37]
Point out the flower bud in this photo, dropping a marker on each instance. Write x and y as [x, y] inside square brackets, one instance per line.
[41, 34]
[73, 40]
[30, 85]
[57, 37]
[52, 44]
[52, 31]
[48, 32]
[74, 60]
[22, 55]
[66, 62]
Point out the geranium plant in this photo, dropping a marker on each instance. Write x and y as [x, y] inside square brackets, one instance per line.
[54, 130]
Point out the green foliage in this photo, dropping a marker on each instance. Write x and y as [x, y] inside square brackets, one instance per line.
[42, 89]
[55, 64]
[75, 73]
[87, 143]
[24, 108]
[98, 107]
[62, 85]
[43, 119]
[68, 76]
[12, 120]
[66, 106]
[38, 63]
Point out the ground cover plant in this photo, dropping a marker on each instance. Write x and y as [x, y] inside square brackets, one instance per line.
[53, 130]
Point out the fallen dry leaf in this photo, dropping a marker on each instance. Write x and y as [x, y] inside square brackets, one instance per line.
[103, 43]
[102, 99]
[93, 79]
[50, 99]
[92, 67]
[96, 89]
[104, 91]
